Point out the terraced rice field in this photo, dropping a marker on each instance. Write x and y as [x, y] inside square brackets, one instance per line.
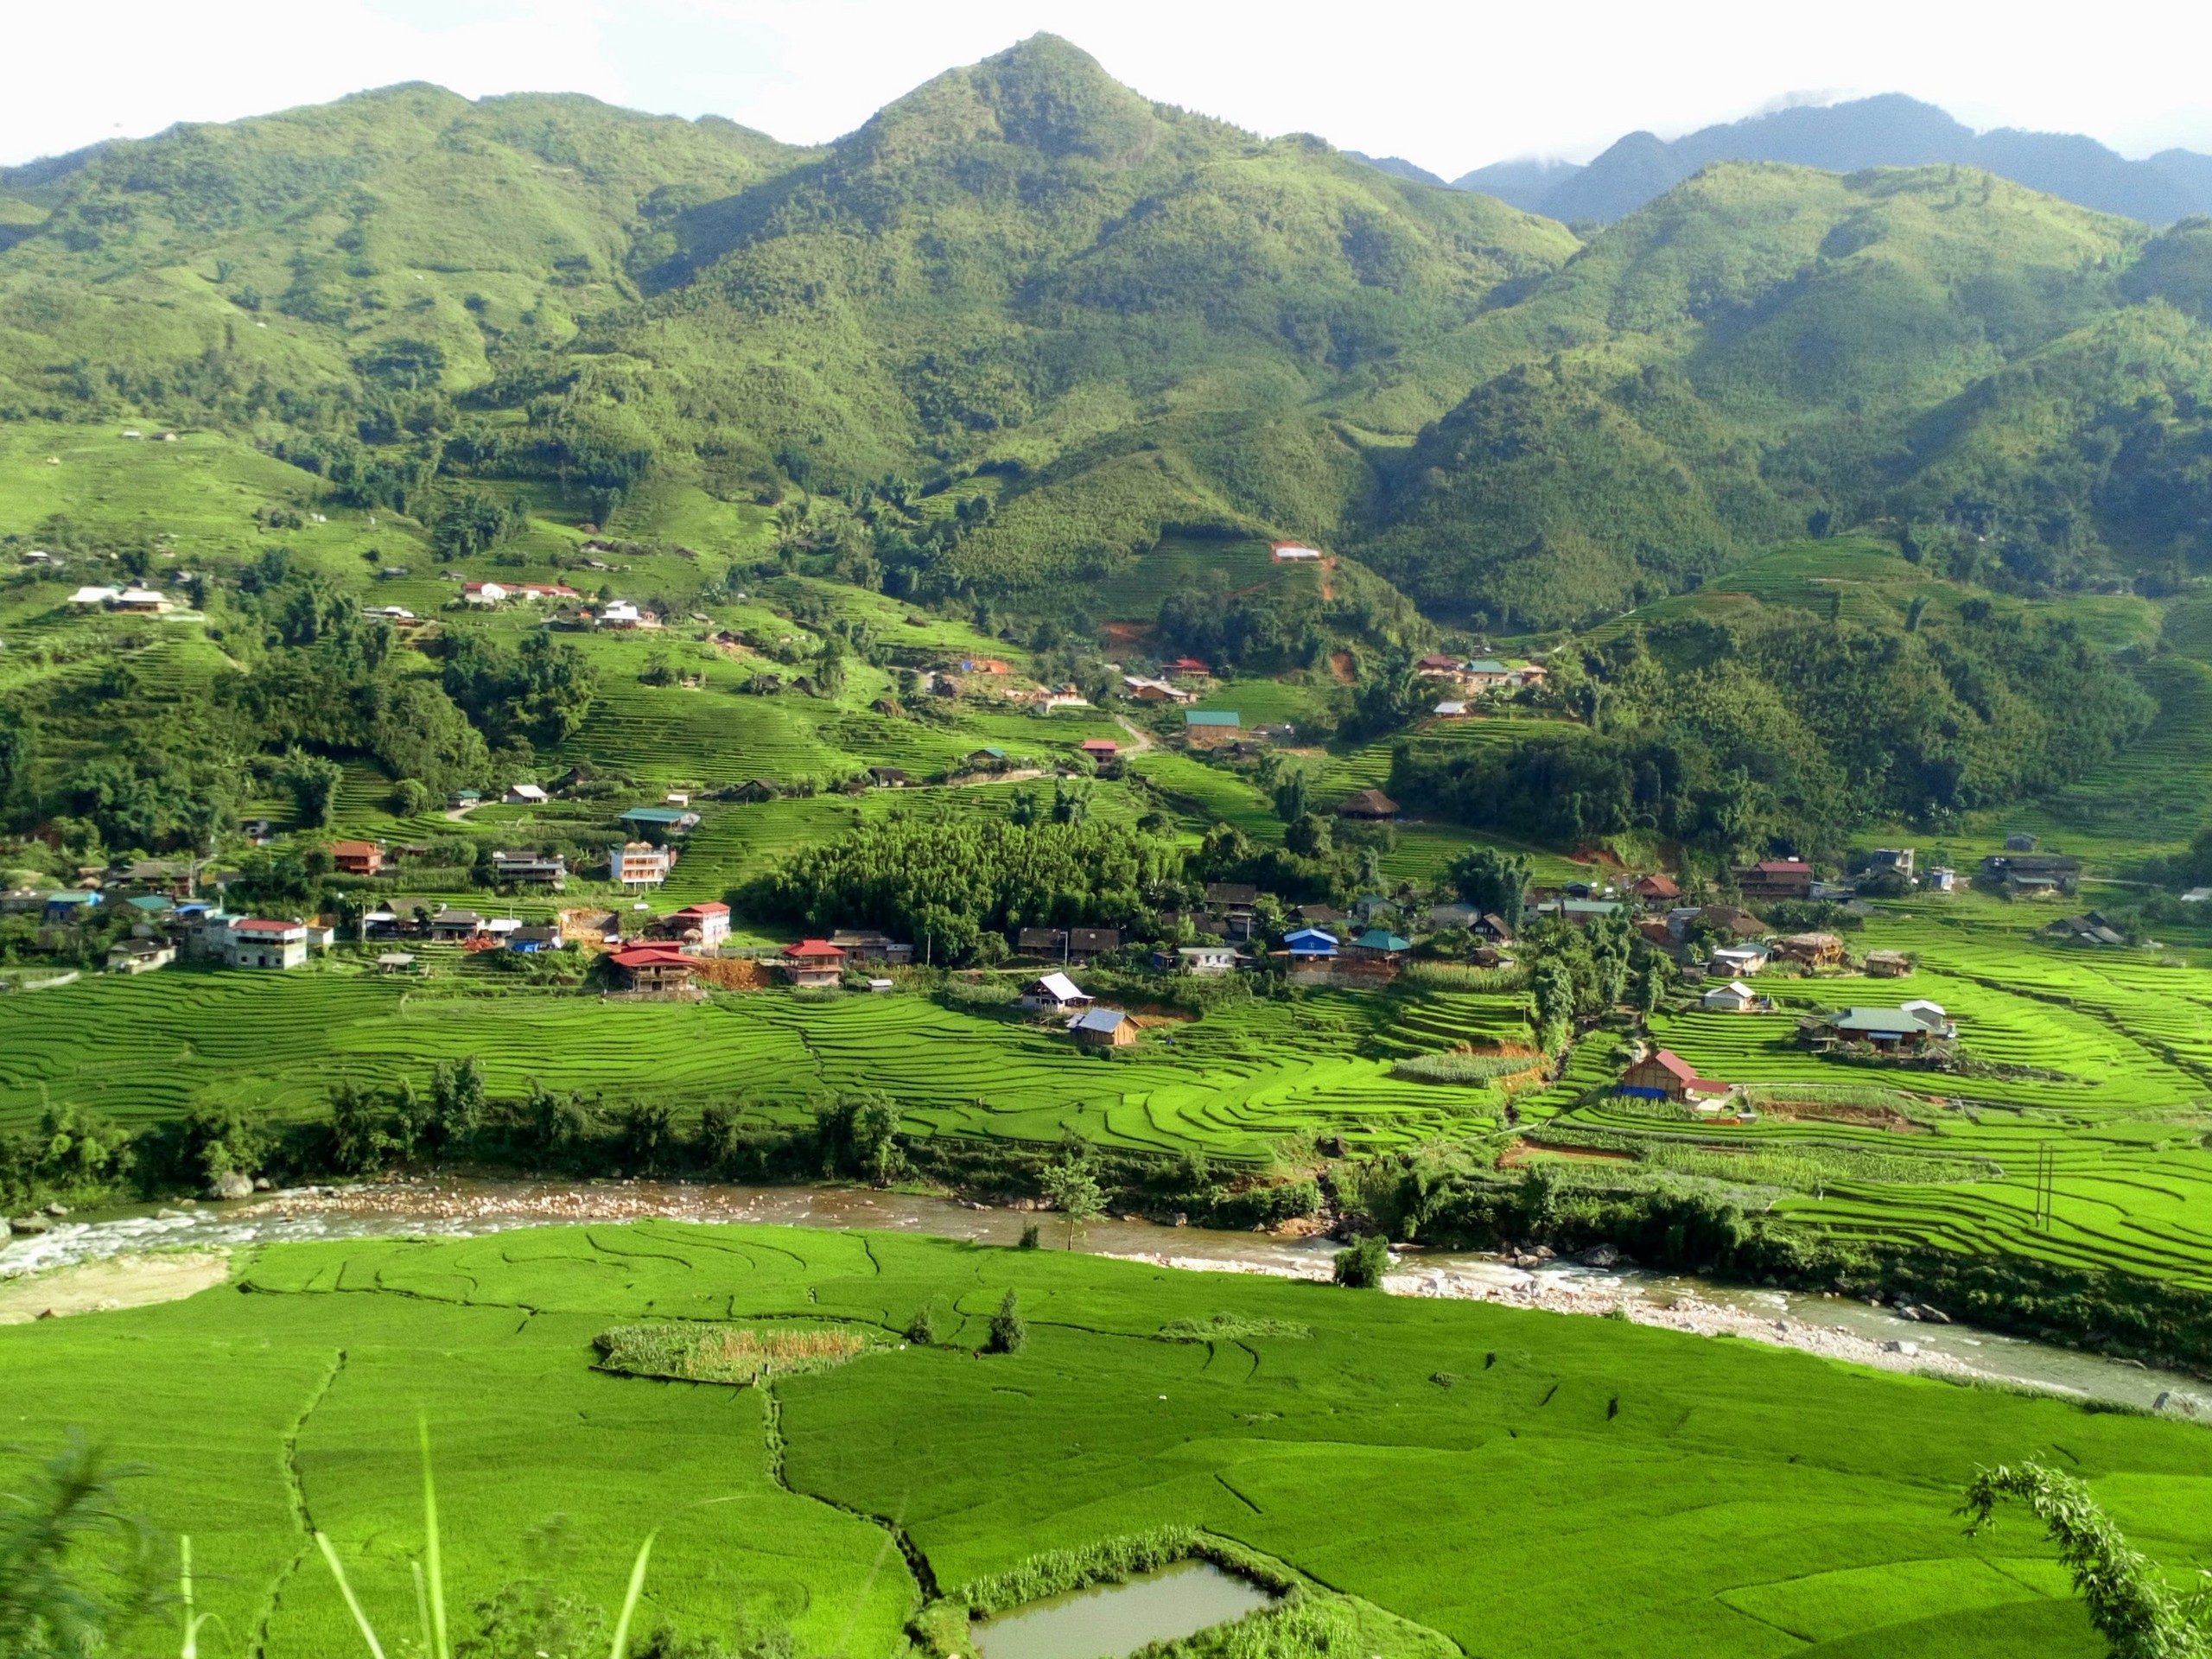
[1420, 1464]
[1236, 1084]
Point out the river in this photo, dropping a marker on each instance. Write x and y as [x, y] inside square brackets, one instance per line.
[1825, 1324]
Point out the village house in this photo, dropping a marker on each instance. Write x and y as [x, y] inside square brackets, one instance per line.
[1101, 749]
[526, 795]
[1370, 804]
[886, 777]
[812, 963]
[1084, 942]
[2092, 929]
[1484, 674]
[257, 942]
[1744, 961]
[622, 614]
[70, 905]
[1041, 942]
[1185, 668]
[1654, 890]
[863, 945]
[1450, 710]
[1436, 664]
[1320, 915]
[655, 967]
[1234, 902]
[1664, 1075]
[1580, 912]
[1910, 1029]
[1204, 961]
[1053, 994]
[1888, 965]
[1207, 728]
[1775, 879]
[1102, 1028]
[527, 868]
[142, 602]
[90, 596]
[1379, 945]
[139, 956]
[659, 822]
[1891, 861]
[639, 864]
[701, 926]
[457, 926]
[1294, 553]
[533, 940]
[2031, 874]
[1310, 947]
[1139, 688]
[1813, 949]
[462, 799]
[395, 961]
[482, 593]
[1734, 997]
[357, 857]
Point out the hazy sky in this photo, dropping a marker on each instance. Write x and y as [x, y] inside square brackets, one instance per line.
[1450, 84]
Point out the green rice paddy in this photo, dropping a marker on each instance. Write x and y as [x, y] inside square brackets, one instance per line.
[1528, 1486]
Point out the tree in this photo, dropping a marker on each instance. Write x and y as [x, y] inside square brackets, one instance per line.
[2132, 1607]
[1009, 1332]
[18, 750]
[358, 1144]
[1552, 987]
[456, 1102]
[1290, 797]
[1491, 881]
[1075, 1194]
[312, 782]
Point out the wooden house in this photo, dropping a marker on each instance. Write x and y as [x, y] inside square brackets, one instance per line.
[1664, 1075]
[357, 857]
[1102, 1028]
[1371, 804]
[1888, 965]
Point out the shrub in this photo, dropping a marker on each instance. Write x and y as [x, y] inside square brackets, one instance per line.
[922, 1328]
[1029, 1238]
[1009, 1332]
[1361, 1267]
[1470, 1070]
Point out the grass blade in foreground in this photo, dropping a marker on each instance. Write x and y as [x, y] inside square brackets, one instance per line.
[345, 1589]
[630, 1599]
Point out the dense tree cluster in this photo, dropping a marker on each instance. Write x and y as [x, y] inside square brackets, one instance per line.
[946, 884]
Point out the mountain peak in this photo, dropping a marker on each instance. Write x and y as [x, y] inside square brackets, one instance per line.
[1044, 94]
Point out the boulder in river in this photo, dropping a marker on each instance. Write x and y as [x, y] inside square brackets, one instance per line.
[1600, 1256]
[1910, 1349]
[2186, 1405]
[230, 1185]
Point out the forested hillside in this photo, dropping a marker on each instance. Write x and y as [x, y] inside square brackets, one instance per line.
[1121, 319]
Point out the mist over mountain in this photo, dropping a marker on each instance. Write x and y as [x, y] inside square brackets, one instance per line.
[1130, 321]
[1888, 131]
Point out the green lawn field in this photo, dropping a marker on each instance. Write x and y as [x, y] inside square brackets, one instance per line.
[1527, 1484]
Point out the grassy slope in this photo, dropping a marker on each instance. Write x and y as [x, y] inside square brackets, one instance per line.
[1437, 1458]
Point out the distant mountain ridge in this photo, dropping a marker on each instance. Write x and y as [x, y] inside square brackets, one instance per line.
[1887, 130]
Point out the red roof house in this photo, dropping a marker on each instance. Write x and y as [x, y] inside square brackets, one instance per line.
[813, 961]
[1664, 1075]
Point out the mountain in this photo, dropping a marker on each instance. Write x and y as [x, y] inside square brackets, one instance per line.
[1399, 167]
[1525, 183]
[2020, 381]
[1093, 321]
[1889, 130]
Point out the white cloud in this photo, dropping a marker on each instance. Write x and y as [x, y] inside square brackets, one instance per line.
[1446, 84]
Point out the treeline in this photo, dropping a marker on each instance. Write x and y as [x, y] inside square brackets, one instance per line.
[951, 883]
[1785, 730]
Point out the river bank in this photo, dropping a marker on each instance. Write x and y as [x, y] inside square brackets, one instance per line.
[1832, 1326]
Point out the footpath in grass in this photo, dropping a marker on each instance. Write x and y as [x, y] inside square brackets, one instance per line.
[1532, 1486]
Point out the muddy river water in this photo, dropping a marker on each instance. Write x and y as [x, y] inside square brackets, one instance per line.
[1824, 1324]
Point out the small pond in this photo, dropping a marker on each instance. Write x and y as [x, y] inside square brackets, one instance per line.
[1110, 1620]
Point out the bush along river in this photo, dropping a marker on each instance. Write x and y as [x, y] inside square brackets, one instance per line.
[1597, 1282]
